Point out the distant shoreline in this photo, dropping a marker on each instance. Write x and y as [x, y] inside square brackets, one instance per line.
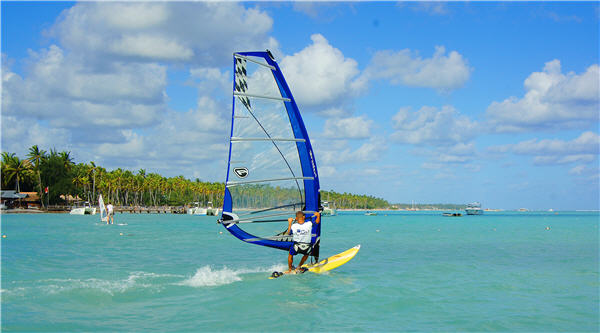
[165, 211]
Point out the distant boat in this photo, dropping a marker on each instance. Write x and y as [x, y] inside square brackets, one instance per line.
[452, 214]
[86, 209]
[327, 210]
[196, 210]
[474, 208]
[370, 213]
[212, 211]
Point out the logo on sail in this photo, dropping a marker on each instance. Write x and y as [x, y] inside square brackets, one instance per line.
[241, 172]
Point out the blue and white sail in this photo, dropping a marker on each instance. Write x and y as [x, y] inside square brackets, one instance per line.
[271, 171]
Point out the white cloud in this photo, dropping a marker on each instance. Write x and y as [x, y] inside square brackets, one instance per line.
[432, 126]
[429, 7]
[320, 75]
[210, 80]
[583, 149]
[553, 100]
[179, 144]
[554, 159]
[348, 128]
[151, 47]
[459, 153]
[199, 32]
[441, 71]
[20, 134]
[335, 112]
[337, 152]
[586, 143]
[62, 90]
[101, 92]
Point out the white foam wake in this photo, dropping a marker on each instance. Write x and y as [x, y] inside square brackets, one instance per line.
[206, 276]
[135, 280]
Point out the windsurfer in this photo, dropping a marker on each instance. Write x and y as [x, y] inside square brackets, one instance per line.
[302, 233]
[109, 214]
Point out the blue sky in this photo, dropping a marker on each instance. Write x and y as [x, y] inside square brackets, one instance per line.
[431, 102]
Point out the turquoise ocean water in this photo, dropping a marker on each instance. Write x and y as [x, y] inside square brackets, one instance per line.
[416, 271]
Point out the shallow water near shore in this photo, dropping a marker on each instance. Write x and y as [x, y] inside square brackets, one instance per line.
[416, 271]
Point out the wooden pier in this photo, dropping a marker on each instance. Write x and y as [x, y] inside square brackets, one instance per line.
[132, 210]
[151, 210]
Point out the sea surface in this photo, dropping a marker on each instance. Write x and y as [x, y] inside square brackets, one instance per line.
[416, 271]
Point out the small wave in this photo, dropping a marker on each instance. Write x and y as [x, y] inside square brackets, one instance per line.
[135, 280]
[206, 276]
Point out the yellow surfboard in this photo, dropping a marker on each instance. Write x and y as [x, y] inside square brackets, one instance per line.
[327, 264]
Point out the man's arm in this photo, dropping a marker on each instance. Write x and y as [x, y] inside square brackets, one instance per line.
[318, 215]
[290, 220]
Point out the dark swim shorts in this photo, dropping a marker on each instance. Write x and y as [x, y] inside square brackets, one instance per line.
[302, 248]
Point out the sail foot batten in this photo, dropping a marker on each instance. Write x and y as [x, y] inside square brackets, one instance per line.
[235, 183]
[243, 94]
[239, 139]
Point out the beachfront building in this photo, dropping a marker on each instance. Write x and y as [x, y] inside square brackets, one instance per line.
[12, 199]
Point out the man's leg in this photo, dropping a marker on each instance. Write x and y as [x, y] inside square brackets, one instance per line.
[303, 260]
[290, 262]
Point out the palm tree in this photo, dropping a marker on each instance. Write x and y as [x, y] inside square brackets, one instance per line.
[141, 183]
[6, 157]
[92, 171]
[36, 156]
[16, 168]
[67, 160]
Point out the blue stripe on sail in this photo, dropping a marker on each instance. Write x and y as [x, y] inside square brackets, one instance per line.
[307, 161]
[246, 237]
[227, 202]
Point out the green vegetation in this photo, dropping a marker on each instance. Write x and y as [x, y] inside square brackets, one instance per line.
[57, 171]
[354, 201]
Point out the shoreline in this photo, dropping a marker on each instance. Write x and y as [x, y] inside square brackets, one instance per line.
[179, 211]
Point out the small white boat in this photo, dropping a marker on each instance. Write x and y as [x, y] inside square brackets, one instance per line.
[474, 208]
[327, 210]
[196, 210]
[86, 209]
[370, 213]
[212, 211]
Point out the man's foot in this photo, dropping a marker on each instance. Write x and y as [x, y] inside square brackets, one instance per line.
[300, 270]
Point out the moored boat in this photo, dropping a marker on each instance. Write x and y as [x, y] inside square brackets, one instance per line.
[196, 210]
[474, 208]
[328, 210]
[86, 209]
[211, 211]
[452, 214]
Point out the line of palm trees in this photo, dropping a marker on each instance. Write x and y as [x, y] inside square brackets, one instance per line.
[57, 172]
[353, 201]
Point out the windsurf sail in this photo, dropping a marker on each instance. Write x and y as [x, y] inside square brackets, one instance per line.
[103, 215]
[271, 171]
